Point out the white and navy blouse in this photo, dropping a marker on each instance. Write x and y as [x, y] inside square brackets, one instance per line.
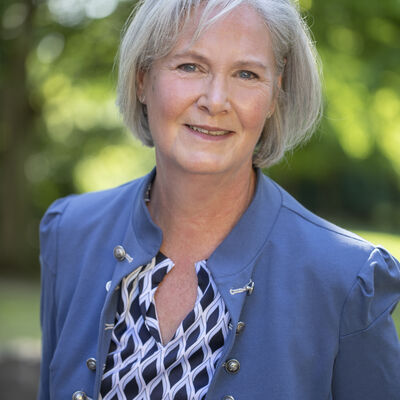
[138, 365]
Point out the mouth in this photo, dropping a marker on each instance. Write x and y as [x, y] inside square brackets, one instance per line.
[208, 130]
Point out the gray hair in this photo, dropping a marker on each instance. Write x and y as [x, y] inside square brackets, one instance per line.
[153, 30]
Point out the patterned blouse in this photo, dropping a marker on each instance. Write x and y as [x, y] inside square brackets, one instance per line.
[139, 366]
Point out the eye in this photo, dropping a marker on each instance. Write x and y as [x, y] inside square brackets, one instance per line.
[247, 75]
[188, 67]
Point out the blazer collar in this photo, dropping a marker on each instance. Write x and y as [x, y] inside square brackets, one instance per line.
[231, 264]
[240, 247]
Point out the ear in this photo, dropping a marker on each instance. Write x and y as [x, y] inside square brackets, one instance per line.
[141, 79]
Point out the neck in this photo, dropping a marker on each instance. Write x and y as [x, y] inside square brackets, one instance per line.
[197, 211]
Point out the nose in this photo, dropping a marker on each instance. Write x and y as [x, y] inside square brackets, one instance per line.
[215, 97]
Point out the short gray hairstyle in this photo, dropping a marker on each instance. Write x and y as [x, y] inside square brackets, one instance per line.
[153, 30]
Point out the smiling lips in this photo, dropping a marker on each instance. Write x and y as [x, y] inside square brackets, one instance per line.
[209, 131]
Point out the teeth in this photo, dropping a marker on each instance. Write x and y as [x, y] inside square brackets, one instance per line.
[205, 131]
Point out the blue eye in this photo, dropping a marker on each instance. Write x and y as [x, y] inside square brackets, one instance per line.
[247, 75]
[188, 67]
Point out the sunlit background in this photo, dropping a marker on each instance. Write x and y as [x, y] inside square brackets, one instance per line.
[61, 132]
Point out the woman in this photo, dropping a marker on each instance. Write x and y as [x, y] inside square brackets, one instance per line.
[205, 279]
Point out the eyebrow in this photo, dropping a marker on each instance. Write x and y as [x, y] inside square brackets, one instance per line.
[237, 64]
[192, 54]
[251, 64]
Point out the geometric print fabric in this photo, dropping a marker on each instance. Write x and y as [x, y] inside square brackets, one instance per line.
[138, 365]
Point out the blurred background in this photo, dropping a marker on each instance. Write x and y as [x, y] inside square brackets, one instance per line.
[60, 133]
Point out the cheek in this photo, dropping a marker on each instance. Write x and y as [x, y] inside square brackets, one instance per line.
[253, 112]
[160, 101]
[169, 98]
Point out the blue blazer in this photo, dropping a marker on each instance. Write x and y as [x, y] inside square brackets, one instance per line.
[317, 324]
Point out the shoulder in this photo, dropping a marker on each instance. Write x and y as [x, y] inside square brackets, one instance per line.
[366, 276]
[85, 214]
[308, 218]
[362, 279]
[89, 205]
[316, 234]
[315, 246]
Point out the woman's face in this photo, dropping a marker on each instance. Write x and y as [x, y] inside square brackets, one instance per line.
[207, 101]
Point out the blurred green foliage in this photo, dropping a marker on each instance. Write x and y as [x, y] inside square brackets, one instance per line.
[19, 306]
[61, 132]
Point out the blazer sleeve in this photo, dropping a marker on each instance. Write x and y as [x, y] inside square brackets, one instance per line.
[367, 365]
[49, 227]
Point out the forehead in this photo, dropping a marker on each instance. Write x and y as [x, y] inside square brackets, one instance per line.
[242, 28]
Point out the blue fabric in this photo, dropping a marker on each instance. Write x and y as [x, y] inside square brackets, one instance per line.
[318, 323]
